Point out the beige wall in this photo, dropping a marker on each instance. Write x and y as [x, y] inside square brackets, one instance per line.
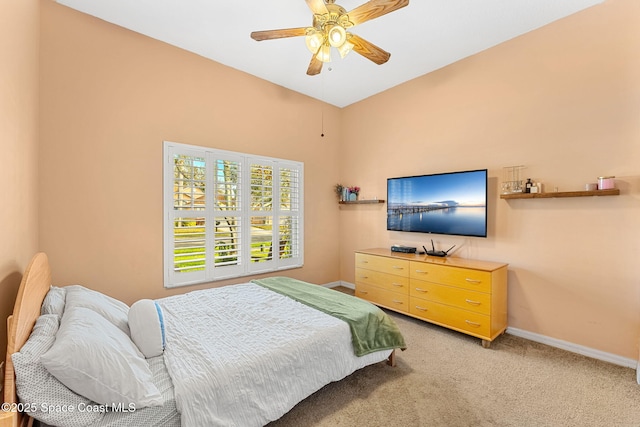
[110, 97]
[564, 101]
[18, 144]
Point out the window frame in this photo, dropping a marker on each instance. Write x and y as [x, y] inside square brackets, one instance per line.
[244, 266]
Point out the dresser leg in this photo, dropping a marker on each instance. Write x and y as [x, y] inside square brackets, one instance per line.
[486, 343]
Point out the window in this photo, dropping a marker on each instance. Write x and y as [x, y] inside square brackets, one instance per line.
[229, 214]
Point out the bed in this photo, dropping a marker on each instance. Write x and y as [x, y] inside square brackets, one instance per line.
[237, 355]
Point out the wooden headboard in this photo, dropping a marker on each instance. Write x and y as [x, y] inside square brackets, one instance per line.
[33, 288]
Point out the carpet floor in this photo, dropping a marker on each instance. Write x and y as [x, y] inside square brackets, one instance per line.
[446, 378]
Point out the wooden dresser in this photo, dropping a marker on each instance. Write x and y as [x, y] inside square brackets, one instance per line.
[468, 296]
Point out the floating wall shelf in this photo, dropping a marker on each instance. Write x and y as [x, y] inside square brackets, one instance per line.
[612, 192]
[361, 202]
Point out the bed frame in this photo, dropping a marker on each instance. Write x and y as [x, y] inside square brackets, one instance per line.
[33, 288]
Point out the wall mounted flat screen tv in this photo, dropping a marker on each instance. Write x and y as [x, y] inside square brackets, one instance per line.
[446, 203]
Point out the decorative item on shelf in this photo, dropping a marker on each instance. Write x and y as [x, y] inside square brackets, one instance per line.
[606, 183]
[340, 191]
[536, 187]
[353, 193]
[528, 185]
[511, 182]
[592, 186]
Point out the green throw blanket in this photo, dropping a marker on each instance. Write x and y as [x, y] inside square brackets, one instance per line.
[371, 328]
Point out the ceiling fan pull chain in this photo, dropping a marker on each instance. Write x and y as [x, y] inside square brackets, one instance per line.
[322, 111]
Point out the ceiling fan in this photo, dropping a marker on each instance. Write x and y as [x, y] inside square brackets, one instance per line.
[329, 29]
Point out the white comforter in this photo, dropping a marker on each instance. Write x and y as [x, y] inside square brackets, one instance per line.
[243, 355]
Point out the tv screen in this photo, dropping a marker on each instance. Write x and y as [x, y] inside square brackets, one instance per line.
[446, 203]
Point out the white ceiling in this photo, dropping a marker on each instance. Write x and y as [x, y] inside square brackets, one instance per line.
[422, 37]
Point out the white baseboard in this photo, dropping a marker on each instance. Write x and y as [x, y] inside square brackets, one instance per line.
[332, 284]
[340, 283]
[553, 342]
[575, 348]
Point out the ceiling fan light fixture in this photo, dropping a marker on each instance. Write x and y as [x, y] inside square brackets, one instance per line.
[324, 54]
[336, 35]
[345, 49]
[314, 41]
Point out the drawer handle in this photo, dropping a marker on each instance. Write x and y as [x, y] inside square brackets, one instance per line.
[397, 301]
[422, 272]
[397, 285]
[364, 292]
[421, 308]
[473, 280]
[395, 267]
[424, 291]
[469, 322]
[364, 262]
[470, 301]
[364, 277]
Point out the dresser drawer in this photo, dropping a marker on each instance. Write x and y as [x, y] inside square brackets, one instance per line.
[386, 281]
[392, 300]
[398, 267]
[478, 302]
[463, 320]
[475, 280]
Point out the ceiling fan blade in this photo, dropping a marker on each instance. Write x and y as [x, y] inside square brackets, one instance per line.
[374, 9]
[317, 6]
[369, 50]
[315, 66]
[278, 34]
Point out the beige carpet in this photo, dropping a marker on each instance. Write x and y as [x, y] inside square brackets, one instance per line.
[447, 379]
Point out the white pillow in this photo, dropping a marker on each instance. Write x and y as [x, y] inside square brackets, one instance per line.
[147, 327]
[54, 301]
[112, 309]
[34, 384]
[94, 358]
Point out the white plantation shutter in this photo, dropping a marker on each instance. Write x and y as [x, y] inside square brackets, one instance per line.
[262, 198]
[229, 214]
[289, 215]
[227, 239]
[186, 228]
